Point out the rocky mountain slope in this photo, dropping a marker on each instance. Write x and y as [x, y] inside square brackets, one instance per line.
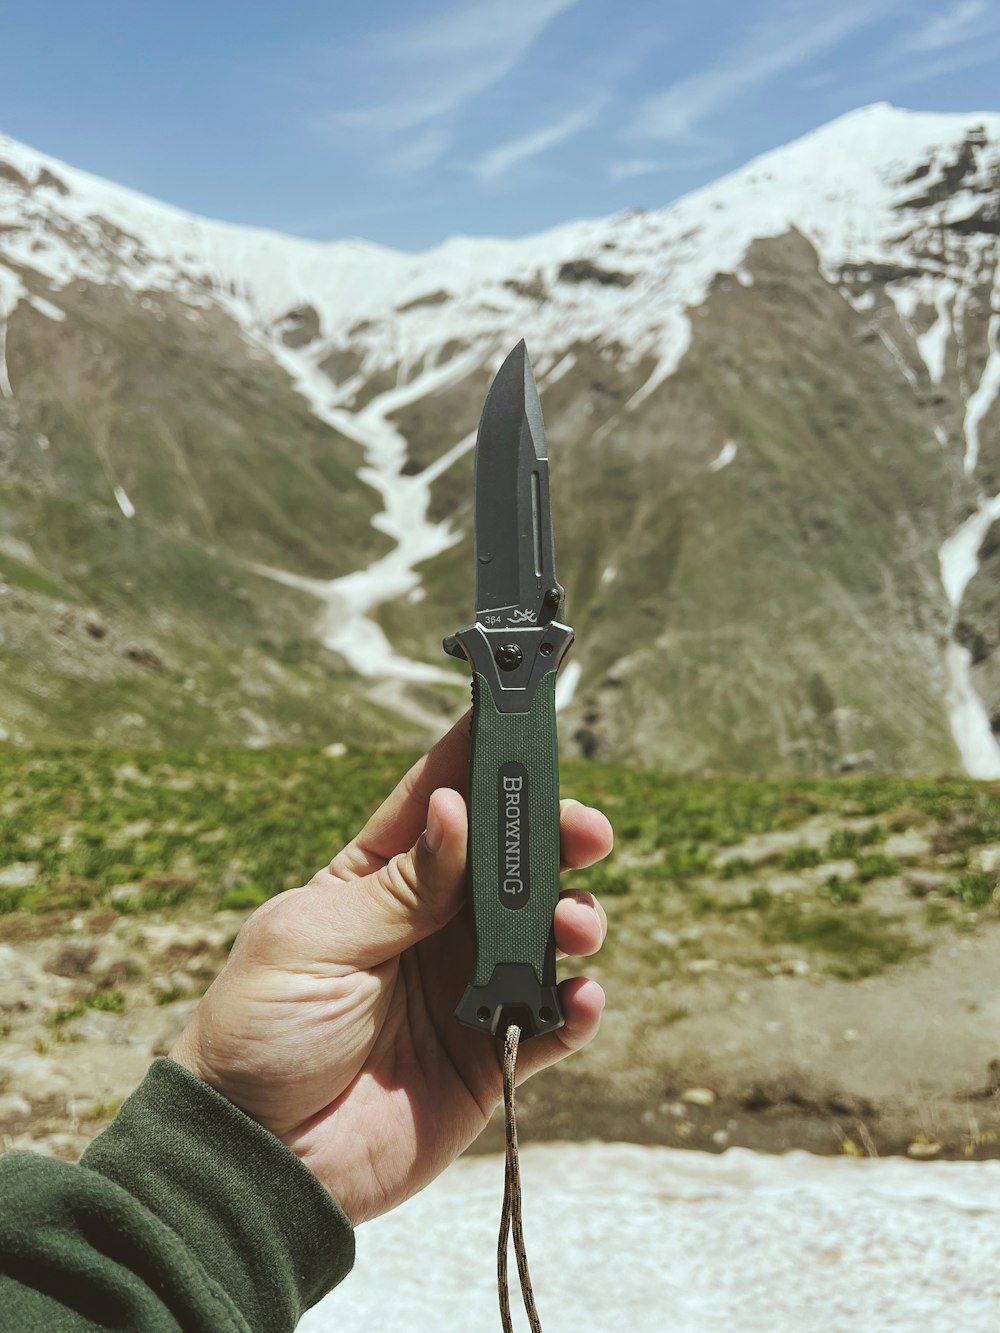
[235, 467]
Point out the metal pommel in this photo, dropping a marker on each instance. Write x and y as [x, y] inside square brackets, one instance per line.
[512, 994]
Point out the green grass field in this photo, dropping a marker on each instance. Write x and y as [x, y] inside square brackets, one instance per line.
[784, 866]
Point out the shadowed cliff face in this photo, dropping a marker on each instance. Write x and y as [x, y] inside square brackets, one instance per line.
[758, 448]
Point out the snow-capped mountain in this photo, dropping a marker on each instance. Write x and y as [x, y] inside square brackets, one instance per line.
[243, 460]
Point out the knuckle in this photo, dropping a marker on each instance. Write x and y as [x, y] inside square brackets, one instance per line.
[397, 878]
[350, 863]
[258, 933]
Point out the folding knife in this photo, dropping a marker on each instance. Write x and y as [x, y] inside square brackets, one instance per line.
[514, 648]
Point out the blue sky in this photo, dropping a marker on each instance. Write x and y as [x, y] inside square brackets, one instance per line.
[408, 122]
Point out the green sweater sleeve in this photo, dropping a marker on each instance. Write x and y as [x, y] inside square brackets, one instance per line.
[183, 1215]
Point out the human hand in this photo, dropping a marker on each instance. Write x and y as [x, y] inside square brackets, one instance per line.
[332, 1023]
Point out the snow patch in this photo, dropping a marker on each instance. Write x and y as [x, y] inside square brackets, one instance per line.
[980, 402]
[434, 470]
[959, 555]
[926, 290]
[725, 456]
[11, 291]
[970, 722]
[897, 356]
[561, 368]
[905, 299]
[566, 683]
[346, 625]
[933, 344]
[46, 308]
[666, 366]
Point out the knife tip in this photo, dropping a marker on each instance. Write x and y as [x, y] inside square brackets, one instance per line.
[517, 360]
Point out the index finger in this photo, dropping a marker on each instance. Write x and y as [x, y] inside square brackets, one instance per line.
[402, 816]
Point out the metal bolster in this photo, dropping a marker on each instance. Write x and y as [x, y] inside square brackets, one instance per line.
[542, 648]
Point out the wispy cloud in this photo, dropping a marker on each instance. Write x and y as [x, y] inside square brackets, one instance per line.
[506, 156]
[431, 69]
[422, 152]
[963, 37]
[946, 65]
[634, 166]
[628, 168]
[964, 20]
[776, 44]
[960, 38]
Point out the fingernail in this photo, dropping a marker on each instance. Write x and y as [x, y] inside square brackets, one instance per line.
[434, 835]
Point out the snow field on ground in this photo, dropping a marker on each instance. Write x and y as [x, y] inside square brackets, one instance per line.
[657, 1240]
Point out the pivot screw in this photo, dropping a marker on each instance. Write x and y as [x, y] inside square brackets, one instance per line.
[509, 657]
[552, 597]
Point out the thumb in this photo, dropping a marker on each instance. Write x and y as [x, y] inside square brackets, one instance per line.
[414, 894]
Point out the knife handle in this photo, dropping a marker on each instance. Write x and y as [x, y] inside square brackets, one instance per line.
[514, 861]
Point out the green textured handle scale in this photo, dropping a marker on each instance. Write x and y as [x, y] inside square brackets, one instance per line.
[514, 861]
